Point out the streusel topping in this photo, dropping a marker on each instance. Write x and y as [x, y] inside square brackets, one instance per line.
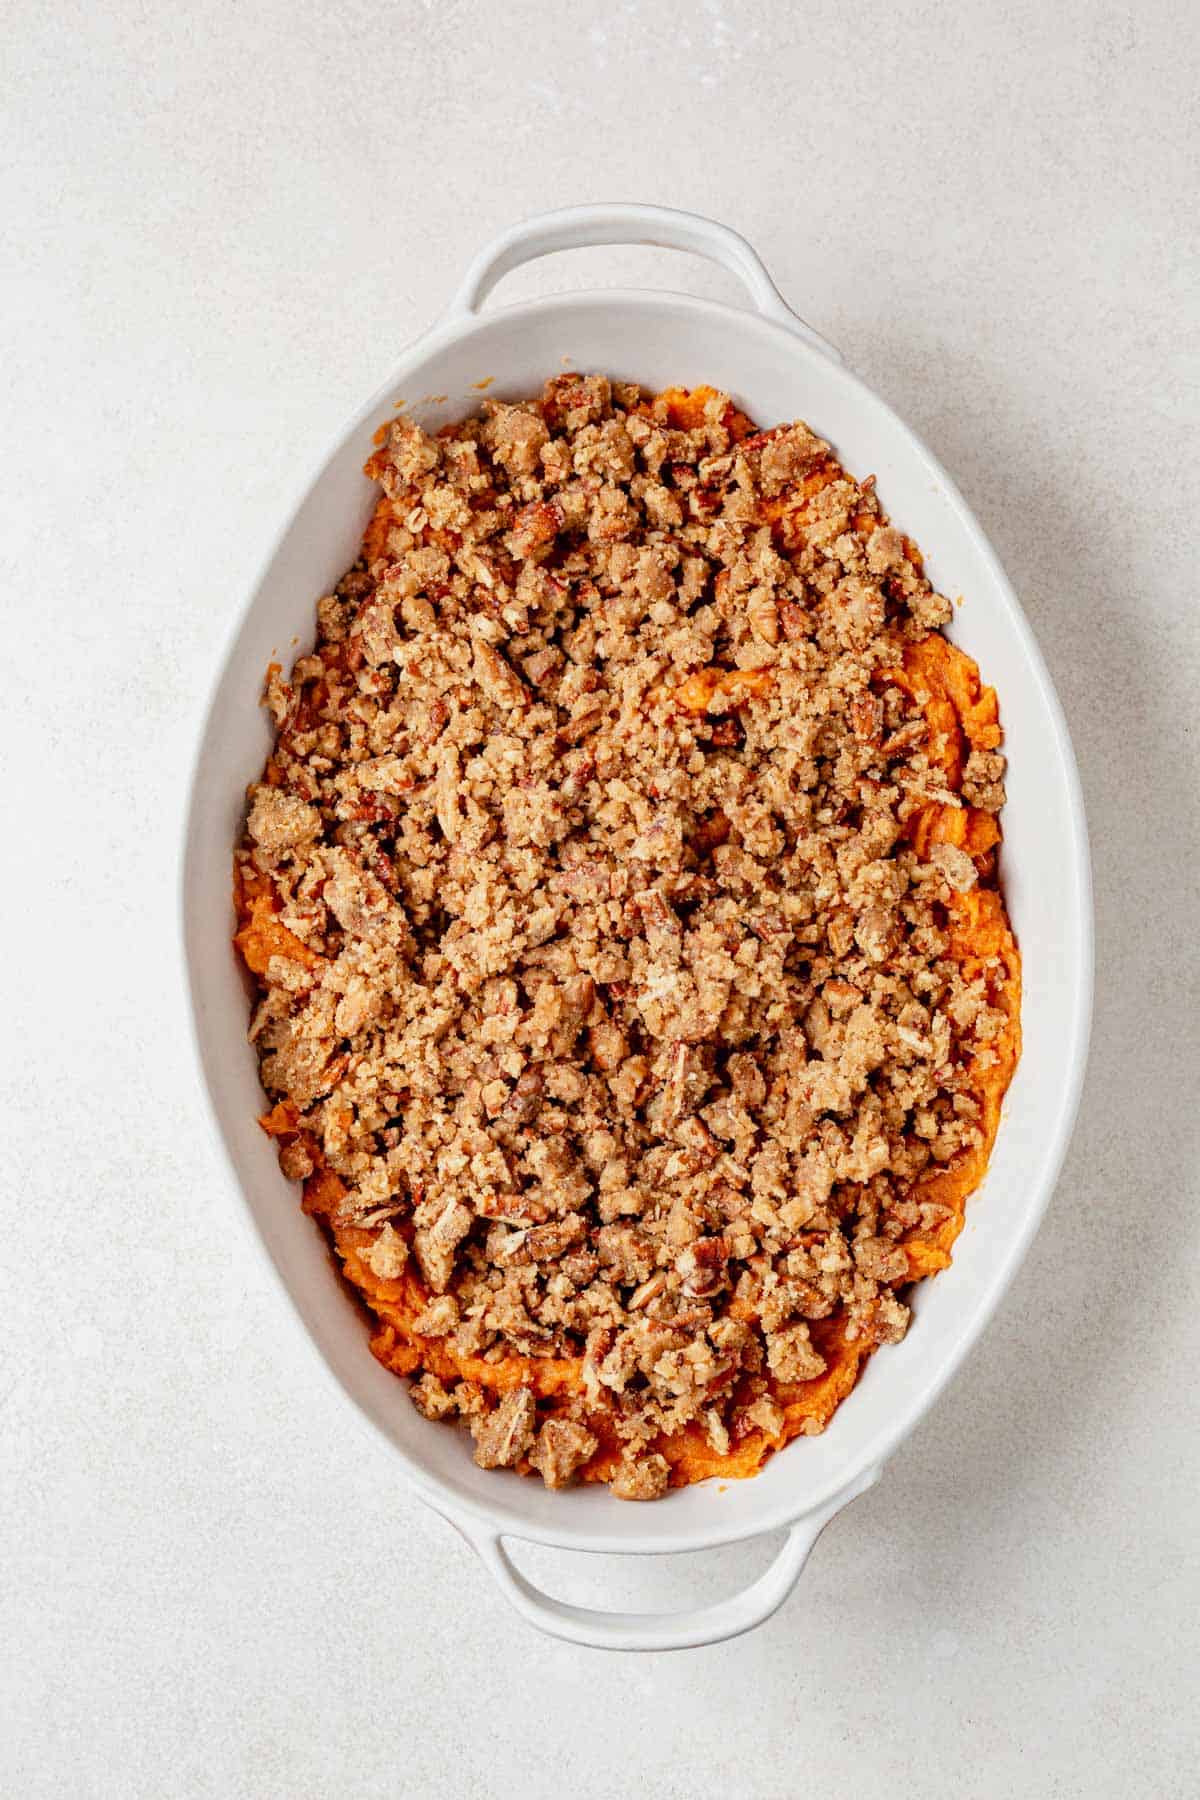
[620, 892]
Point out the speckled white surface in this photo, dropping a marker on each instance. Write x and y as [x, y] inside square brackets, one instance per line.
[225, 220]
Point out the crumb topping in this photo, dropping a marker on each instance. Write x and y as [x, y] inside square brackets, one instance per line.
[633, 986]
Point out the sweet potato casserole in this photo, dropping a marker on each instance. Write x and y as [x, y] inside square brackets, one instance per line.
[632, 983]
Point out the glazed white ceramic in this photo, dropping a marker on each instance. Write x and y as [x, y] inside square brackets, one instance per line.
[777, 368]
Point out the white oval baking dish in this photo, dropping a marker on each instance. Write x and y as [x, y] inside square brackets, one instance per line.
[777, 368]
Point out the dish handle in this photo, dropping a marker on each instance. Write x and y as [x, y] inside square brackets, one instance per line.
[583, 227]
[599, 1630]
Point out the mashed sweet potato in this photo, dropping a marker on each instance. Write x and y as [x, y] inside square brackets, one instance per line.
[888, 1027]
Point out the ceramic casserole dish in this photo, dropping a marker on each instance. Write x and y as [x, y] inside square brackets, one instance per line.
[776, 368]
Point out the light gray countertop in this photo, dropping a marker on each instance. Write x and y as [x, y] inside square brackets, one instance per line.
[226, 220]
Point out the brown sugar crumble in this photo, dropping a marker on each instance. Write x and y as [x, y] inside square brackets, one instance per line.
[632, 984]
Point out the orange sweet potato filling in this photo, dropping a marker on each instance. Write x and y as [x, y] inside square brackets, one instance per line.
[260, 935]
[962, 715]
